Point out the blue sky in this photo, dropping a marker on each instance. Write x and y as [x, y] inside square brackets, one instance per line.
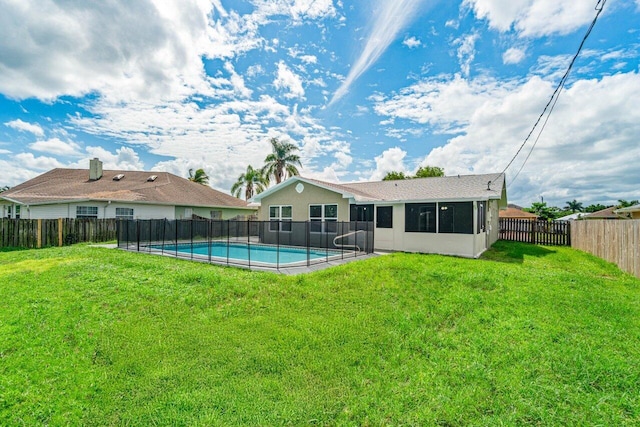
[361, 87]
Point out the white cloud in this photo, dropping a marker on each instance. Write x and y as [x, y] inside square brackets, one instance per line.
[223, 138]
[390, 160]
[121, 49]
[513, 55]
[298, 10]
[343, 160]
[309, 59]
[254, 70]
[390, 17]
[445, 103]
[466, 51]
[22, 126]
[534, 18]
[452, 23]
[124, 158]
[412, 42]
[57, 147]
[237, 81]
[583, 152]
[42, 163]
[289, 81]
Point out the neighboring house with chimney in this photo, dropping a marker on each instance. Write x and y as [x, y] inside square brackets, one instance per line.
[98, 193]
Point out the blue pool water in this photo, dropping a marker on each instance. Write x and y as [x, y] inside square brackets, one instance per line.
[254, 253]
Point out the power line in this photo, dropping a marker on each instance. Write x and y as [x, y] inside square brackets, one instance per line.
[554, 96]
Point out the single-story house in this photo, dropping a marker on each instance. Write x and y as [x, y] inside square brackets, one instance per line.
[517, 213]
[97, 193]
[571, 217]
[608, 213]
[454, 215]
[632, 212]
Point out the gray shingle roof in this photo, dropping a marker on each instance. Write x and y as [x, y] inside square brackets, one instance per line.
[65, 185]
[461, 187]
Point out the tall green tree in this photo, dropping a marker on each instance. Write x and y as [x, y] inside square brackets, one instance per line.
[595, 208]
[625, 203]
[282, 162]
[199, 177]
[252, 181]
[574, 206]
[394, 176]
[543, 211]
[429, 171]
[422, 172]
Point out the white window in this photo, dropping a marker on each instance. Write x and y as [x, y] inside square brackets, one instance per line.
[86, 212]
[124, 213]
[188, 213]
[323, 218]
[216, 214]
[280, 218]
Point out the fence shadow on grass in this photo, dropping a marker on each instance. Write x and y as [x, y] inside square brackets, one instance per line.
[12, 249]
[514, 252]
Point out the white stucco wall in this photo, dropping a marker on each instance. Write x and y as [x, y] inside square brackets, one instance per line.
[466, 245]
[108, 210]
[310, 195]
[105, 210]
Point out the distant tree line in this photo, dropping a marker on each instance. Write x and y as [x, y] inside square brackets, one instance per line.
[552, 212]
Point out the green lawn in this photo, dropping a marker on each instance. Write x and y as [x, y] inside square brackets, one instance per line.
[527, 335]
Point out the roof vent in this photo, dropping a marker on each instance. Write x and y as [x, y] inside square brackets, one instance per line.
[118, 177]
[152, 178]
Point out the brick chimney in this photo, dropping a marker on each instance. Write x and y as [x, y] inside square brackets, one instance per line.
[95, 169]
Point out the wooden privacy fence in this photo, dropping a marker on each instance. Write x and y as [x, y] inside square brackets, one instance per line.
[537, 232]
[38, 233]
[616, 241]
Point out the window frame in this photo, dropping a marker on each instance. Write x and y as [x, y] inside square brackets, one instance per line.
[388, 224]
[127, 216]
[409, 223]
[481, 217]
[455, 217]
[329, 224]
[86, 215]
[284, 222]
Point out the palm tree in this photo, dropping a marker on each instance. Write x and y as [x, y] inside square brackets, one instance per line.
[200, 177]
[574, 206]
[625, 203]
[281, 161]
[253, 181]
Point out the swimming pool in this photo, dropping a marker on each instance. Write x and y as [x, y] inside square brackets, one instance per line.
[243, 253]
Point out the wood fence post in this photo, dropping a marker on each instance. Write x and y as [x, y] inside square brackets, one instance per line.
[59, 231]
[533, 231]
[39, 233]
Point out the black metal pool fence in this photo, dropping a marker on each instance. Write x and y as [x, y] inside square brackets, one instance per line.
[313, 242]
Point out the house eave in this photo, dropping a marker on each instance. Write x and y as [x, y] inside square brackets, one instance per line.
[135, 202]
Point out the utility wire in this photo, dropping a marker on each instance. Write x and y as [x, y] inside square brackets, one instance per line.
[554, 96]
